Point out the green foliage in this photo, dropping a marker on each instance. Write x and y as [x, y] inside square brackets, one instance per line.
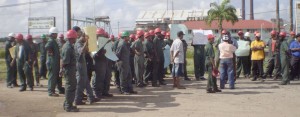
[221, 12]
[2, 53]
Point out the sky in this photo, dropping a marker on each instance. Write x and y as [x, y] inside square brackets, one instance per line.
[15, 19]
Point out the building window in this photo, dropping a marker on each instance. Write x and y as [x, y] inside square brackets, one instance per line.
[234, 31]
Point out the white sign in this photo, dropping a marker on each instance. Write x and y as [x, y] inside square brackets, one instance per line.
[200, 36]
[41, 22]
[175, 28]
[109, 53]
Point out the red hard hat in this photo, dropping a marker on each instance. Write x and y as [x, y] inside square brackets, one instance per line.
[168, 34]
[61, 36]
[292, 33]
[19, 36]
[146, 34]
[157, 30]
[112, 37]
[257, 34]
[139, 33]
[106, 34]
[28, 37]
[71, 34]
[210, 36]
[273, 32]
[119, 35]
[100, 31]
[132, 36]
[224, 31]
[136, 37]
[240, 33]
[163, 32]
[283, 34]
[151, 32]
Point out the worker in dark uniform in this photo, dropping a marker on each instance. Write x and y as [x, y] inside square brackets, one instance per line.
[43, 57]
[68, 67]
[22, 57]
[285, 59]
[61, 41]
[169, 42]
[11, 74]
[115, 68]
[123, 53]
[131, 41]
[149, 52]
[138, 49]
[33, 60]
[53, 61]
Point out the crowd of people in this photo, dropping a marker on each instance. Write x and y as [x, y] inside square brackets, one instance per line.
[141, 62]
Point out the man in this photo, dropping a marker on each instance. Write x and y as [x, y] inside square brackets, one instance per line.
[210, 65]
[295, 60]
[273, 62]
[68, 67]
[243, 54]
[284, 59]
[138, 49]
[123, 53]
[132, 38]
[23, 62]
[169, 42]
[292, 37]
[83, 82]
[149, 52]
[158, 65]
[33, 60]
[101, 83]
[53, 61]
[185, 47]
[226, 62]
[177, 58]
[11, 74]
[257, 57]
[61, 41]
[247, 38]
[43, 56]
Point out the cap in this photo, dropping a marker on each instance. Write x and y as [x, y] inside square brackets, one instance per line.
[180, 33]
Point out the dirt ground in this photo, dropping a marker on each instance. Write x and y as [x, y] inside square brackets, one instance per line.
[249, 99]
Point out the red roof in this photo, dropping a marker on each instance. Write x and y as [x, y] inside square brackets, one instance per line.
[241, 24]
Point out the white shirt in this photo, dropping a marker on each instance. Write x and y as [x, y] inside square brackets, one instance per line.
[20, 51]
[177, 46]
[226, 50]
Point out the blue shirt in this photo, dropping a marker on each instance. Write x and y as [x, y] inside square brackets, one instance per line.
[295, 44]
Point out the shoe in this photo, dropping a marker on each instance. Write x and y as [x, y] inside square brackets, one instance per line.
[284, 83]
[62, 90]
[210, 91]
[22, 89]
[31, 88]
[231, 88]
[162, 83]
[217, 90]
[126, 93]
[140, 85]
[107, 95]
[79, 103]
[10, 86]
[202, 78]
[155, 85]
[133, 92]
[53, 95]
[72, 109]
[253, 79]
[197, 79]
[181, 87]
[15, 85]
[187, 79]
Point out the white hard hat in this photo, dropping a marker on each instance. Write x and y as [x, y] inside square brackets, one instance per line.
[53, 30]
[247, 34]
[11, 35]
[225, 38]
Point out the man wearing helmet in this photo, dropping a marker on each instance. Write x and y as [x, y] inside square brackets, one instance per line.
[43, 57]
[285, 59]
[138, 49]
[257, 57]
[11, 74]
[68, 67]
[123, 53]
[149, 52]
[33, 60]
[243, 54]
[23, 61]
[53, 61]
[273, 62]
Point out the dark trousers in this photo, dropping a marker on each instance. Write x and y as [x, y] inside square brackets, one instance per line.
[158, 67]
[273, 64]
[185, 69]
[243, 63]
[148, 70]
[11, 74]
[295, 66]
[257, 68]
[43, 68]
[199, 60]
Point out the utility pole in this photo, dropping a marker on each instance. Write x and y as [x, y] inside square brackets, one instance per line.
[29, 14]
[291, 15]
[69, 19]
[277, 15]
[118, 27]
[251, 10]
[243, 10]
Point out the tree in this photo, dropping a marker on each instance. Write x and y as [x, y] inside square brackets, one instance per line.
[221, 12]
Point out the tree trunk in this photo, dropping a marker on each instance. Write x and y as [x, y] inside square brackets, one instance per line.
[277, 15]
[220, 27]
[291, 16]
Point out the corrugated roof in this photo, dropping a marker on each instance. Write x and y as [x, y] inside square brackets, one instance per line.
[241, 24]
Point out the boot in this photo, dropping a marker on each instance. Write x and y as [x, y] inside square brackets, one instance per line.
[178, 84]
[174, 83]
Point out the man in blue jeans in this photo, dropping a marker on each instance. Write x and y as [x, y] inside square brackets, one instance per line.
[226, 62]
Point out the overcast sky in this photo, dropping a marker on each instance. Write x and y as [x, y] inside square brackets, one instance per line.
[15, 19]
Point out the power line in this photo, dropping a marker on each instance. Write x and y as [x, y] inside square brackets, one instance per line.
[26, 3]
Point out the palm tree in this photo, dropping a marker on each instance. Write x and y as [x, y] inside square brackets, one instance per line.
[221, 12]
